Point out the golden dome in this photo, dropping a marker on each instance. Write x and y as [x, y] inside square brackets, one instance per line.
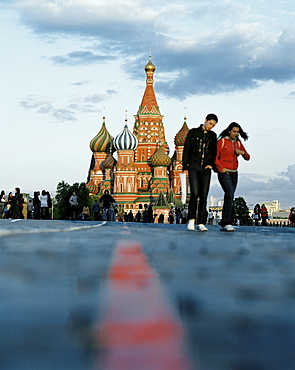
[150, 66]
[160, 158]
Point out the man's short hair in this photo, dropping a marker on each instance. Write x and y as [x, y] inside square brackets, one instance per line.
[212, 116]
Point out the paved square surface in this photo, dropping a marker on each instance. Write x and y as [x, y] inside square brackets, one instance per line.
[230, 295]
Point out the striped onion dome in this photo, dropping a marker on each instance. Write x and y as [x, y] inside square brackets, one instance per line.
[160, 158]
[93, 189]
[180, 137]
[125, 140]
[109, 162]
[102, 141]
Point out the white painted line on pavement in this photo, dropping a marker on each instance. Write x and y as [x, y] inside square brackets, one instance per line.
[40, 231]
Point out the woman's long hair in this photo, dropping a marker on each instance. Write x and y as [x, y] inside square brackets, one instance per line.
[242, 133]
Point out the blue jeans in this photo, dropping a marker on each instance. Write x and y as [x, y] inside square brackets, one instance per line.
[228, 182]
[199, 181]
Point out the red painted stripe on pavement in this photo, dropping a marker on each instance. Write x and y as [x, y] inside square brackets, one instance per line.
[139, 330]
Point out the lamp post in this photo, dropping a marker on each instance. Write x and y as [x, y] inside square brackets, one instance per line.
[52, 202]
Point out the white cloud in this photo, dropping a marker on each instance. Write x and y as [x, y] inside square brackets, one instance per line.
[86, 104]
[81, 57]
[214, 48]
[279, 188]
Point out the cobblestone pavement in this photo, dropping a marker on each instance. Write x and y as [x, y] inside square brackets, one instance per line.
[233, 295]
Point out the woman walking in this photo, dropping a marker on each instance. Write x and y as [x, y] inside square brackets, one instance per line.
[264, 215]
[229, 148]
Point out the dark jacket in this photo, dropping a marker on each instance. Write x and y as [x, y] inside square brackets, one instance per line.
[106, 200]
[199, 149]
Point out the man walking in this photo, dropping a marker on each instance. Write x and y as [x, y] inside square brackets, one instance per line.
[199, 159]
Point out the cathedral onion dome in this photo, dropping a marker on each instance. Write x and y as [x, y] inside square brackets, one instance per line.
[160, 158]
[93, 189]
[180, 137]
[108, 163]
[150, 66]
[125, 140]
[102, 141]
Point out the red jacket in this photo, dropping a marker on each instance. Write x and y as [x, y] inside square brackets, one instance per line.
[226, 157]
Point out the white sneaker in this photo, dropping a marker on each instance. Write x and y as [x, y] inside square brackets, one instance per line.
[191, 225]
[202, 227]
[227, 228]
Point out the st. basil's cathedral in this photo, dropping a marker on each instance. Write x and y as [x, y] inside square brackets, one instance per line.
[143, 172]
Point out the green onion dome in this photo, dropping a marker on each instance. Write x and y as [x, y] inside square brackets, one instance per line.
[108, 163]
[160, 158]
[102, 141]
[180, 137]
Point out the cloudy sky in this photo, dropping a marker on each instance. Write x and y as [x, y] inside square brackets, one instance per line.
[66, 63]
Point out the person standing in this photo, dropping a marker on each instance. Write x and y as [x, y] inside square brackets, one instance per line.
[145, 214]
[161, 218]
[49, 205]
[106, 199]
[73, 201]
[177, 214]
[171, 215]
[9, 205]
[138, 216]
[150, 213]
[96, 211]
[111, 214]
[210, 217]
[198, 158]
[292, 216]
[85, 212]
[130, 216]
[17, 205]
[256, 214]
[264, 215]
[183, 216]
[30, 208]
[36, 205]
[229, 148]
[2, 203]
[44, 205]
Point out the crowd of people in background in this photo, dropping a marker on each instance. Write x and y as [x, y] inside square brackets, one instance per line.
[106, 209]
[12, 205]
[110, 211]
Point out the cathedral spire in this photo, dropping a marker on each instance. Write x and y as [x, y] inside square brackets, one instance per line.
[149, 103]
